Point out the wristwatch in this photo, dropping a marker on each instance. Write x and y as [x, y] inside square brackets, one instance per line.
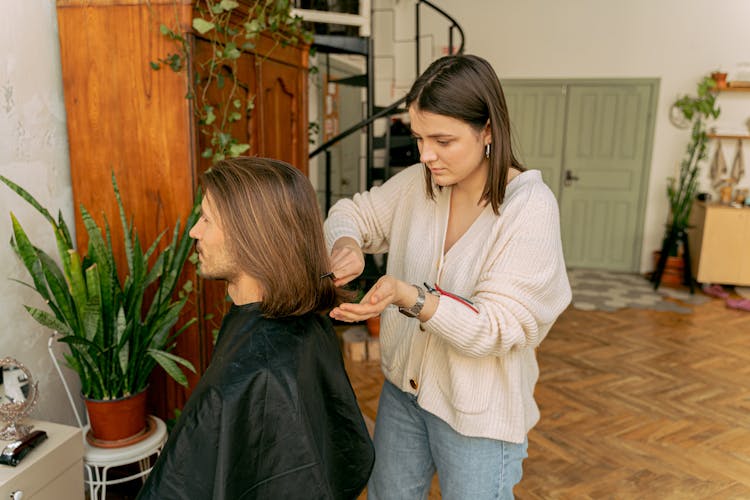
[414, 310]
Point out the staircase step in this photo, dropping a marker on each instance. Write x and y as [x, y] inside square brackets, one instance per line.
[352, 81]
[394, 111]
[397, 141]
[340, 44]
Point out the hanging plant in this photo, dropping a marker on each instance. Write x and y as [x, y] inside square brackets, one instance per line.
[232, 28]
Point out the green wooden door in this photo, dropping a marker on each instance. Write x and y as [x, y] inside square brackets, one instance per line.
[537, 114]
[605, 166]
[595, 157]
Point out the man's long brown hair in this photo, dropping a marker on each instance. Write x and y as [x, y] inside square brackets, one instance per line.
[274, 231]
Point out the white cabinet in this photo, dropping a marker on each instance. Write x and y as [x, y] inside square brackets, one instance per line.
[51, 471]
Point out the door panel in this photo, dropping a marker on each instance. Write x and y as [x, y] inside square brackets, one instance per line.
[605, 146]
[283, 113]
[537, 115]
[598, 134]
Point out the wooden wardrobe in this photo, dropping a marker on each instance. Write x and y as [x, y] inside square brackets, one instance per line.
[125, 117]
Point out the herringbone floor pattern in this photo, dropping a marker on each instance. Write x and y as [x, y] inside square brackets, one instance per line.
[635, 404]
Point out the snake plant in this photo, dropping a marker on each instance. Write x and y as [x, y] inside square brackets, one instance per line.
[117, 330]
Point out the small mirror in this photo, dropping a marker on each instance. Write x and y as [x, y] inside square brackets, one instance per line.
[18, 395]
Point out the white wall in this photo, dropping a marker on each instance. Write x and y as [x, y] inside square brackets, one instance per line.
[676, 41]
[34, 154]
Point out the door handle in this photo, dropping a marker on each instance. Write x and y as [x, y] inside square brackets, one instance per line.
[569, 178]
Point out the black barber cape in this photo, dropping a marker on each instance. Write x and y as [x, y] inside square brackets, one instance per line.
[273, 417]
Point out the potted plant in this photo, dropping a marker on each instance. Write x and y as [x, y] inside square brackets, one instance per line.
[117, 330]
[681, 189]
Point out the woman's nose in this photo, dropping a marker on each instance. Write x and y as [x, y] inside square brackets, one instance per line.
[427, 155]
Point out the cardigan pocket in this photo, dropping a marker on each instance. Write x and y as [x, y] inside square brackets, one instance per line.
[469, 383]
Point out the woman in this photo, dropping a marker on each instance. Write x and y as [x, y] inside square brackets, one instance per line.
[477, 277]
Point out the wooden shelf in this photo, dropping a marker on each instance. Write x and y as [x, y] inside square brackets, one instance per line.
[732, 89]
[728, 136]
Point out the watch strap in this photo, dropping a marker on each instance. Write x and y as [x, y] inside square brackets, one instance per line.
[414, 310]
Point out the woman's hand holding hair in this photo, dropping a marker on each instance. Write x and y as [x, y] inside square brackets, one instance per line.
[381, 295]
[347, 261]
[388, 290]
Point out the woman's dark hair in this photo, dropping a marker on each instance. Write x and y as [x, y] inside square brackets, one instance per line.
[274, 231]
[466, 87]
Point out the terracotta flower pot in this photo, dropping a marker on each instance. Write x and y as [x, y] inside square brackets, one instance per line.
[720, 78]
[117, 419]
[674, 270]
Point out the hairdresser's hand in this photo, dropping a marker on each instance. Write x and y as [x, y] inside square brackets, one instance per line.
[347, 261]
[388, 290]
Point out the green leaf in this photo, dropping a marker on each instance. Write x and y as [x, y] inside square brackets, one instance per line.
[225, 139]
[169, 362]
[46, 319]
[175, 62]
[210, 116]
[26, 251]
[28, 198]
[228, 5]
[238, 149]
[127, 231]
[231, 51]
[58, 287]
[124, 348]
[202, 26]
[253, 26]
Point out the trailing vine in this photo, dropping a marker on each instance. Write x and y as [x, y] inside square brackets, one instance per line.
[231, 28]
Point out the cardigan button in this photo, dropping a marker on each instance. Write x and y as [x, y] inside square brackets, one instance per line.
[413, 384]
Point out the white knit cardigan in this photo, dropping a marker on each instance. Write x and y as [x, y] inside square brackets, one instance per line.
[476, 371]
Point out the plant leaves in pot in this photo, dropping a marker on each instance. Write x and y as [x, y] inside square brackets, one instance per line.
[681, 189]
[117, 330]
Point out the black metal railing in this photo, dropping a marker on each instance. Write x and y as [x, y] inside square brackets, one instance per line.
[372, 116]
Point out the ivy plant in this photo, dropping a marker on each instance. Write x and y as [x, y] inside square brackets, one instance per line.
[231, 28]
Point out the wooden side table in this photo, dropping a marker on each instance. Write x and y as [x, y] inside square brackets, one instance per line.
[51, 471]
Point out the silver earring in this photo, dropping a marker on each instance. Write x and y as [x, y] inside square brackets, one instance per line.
[487, 151]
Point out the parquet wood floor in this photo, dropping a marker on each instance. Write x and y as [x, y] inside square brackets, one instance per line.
[635, 404]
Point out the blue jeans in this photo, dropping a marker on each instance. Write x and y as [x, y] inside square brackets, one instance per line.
[411, 444]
